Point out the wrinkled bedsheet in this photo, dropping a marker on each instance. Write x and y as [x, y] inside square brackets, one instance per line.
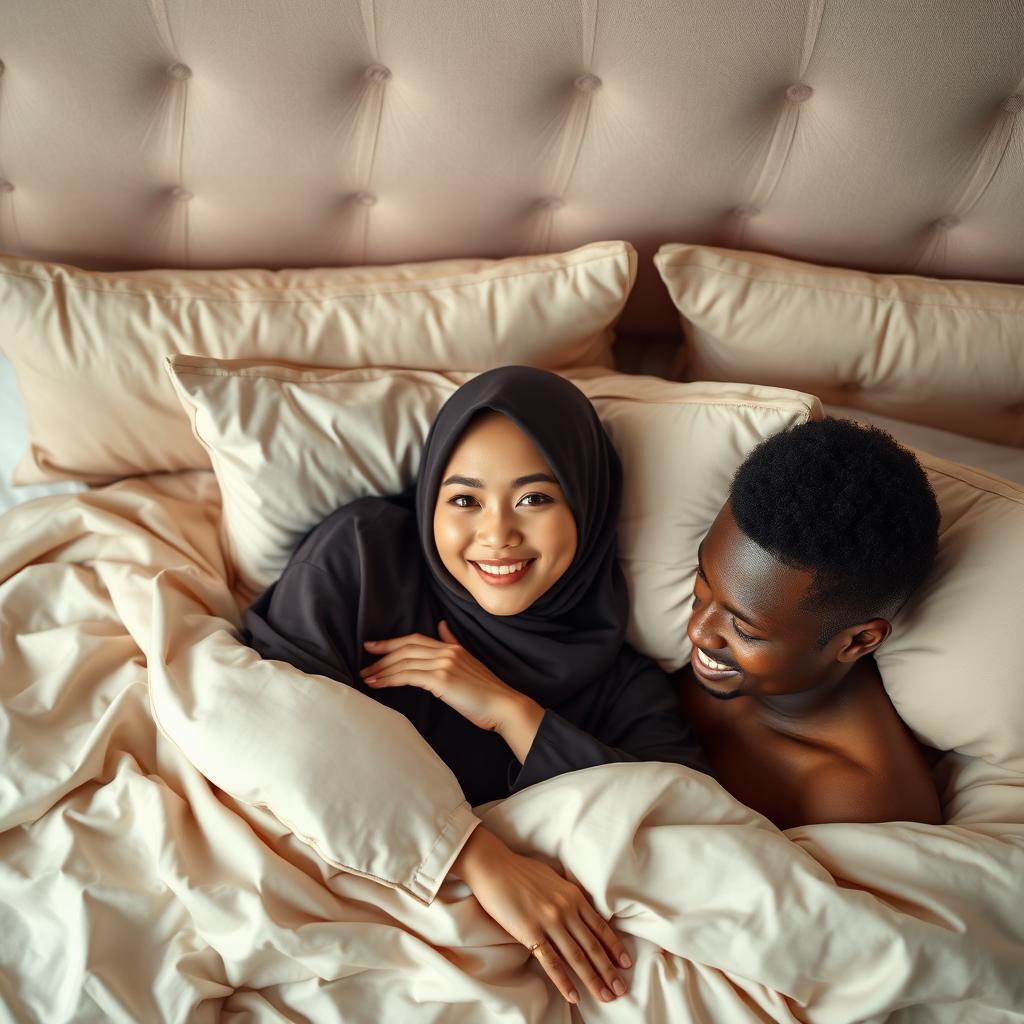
[134, 887]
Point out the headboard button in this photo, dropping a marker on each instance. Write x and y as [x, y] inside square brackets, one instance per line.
[5, 185]
[180, 195]
[1013, 104]
[745, 211]
[799, 92]
[587, 83]
[365, 198]
[179, 72]
[550, 203]
[3, 68]
[948, 222]
[377, 73]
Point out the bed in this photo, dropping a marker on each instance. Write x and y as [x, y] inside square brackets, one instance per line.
[718, 219]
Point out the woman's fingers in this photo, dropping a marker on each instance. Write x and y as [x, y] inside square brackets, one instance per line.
[573, 954]
[393, 643]
[603, 930]
[592, 946]
[422, 672]
[409, 650]
[446, 635]
[549, 959]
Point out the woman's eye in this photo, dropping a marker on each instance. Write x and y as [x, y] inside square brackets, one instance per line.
[462, 501]
[535, 498]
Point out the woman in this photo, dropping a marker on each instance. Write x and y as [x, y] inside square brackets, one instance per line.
[487, 605]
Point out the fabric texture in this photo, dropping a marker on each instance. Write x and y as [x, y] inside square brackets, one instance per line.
[949, 692]
[236, 849]
[371, 570]
[291, 445]
[993, 459]
[947, 354]
[87, 348]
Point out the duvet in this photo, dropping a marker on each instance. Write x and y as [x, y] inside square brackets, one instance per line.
[190, 834]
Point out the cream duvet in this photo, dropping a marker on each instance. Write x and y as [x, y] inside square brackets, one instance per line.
[190, 834]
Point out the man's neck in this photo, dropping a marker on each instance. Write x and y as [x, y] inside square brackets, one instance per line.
[792, 706]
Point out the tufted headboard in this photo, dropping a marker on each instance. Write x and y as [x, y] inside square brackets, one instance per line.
[881, 134]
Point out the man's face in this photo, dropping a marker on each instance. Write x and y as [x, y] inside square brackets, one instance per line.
[750, 635]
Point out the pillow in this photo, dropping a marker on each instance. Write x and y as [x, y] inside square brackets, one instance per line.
[954, 664]
[289, 446]
[946, 354]
[88, 348]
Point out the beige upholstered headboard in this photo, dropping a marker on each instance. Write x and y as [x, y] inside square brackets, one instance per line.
[883, 134]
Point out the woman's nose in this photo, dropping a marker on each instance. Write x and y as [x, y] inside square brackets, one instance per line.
[498, 529]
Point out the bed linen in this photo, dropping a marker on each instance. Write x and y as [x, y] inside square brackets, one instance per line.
[147, 871]
[14, 441]
[943, 353]
[88, 347]
[998, 459]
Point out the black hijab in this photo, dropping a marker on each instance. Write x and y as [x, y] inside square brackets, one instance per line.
[573, 632]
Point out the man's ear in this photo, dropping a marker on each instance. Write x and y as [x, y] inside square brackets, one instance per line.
[862, 639]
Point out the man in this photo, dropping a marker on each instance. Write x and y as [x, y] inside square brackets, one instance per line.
[828, 529]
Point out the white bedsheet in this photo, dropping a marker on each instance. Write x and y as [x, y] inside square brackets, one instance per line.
[151, 874]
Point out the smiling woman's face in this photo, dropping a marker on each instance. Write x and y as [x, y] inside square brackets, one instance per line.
[751, 634]
[502, 525]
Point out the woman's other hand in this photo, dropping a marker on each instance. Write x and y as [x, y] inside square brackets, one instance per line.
[545, 912]
[447, 670]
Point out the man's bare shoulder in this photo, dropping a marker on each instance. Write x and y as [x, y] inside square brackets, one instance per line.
[867, 767]
[851, 760]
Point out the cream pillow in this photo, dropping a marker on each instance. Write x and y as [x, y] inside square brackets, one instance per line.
[954, 665]
[88, 348]
[289, 446]
[946, 354]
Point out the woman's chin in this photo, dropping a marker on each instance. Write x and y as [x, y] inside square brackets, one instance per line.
[502, 605]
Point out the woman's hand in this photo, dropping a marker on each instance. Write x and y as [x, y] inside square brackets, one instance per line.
[546, 913]
[448, 671]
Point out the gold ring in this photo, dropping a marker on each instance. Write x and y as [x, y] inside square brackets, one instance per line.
[533, 949]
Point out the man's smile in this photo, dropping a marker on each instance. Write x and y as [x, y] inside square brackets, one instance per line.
[710, 668]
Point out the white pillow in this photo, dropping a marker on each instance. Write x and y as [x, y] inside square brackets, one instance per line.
[88, 348]
[947, 354]
[289, 446]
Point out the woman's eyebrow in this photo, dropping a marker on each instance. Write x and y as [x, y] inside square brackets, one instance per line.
[521, 481]
[534, 478]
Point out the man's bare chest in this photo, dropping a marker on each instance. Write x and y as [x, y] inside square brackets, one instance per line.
[763, 762]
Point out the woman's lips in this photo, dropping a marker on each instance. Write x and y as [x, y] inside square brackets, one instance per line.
[699, 660]
[505, 579]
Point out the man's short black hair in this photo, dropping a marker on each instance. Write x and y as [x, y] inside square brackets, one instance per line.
[848, 503]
